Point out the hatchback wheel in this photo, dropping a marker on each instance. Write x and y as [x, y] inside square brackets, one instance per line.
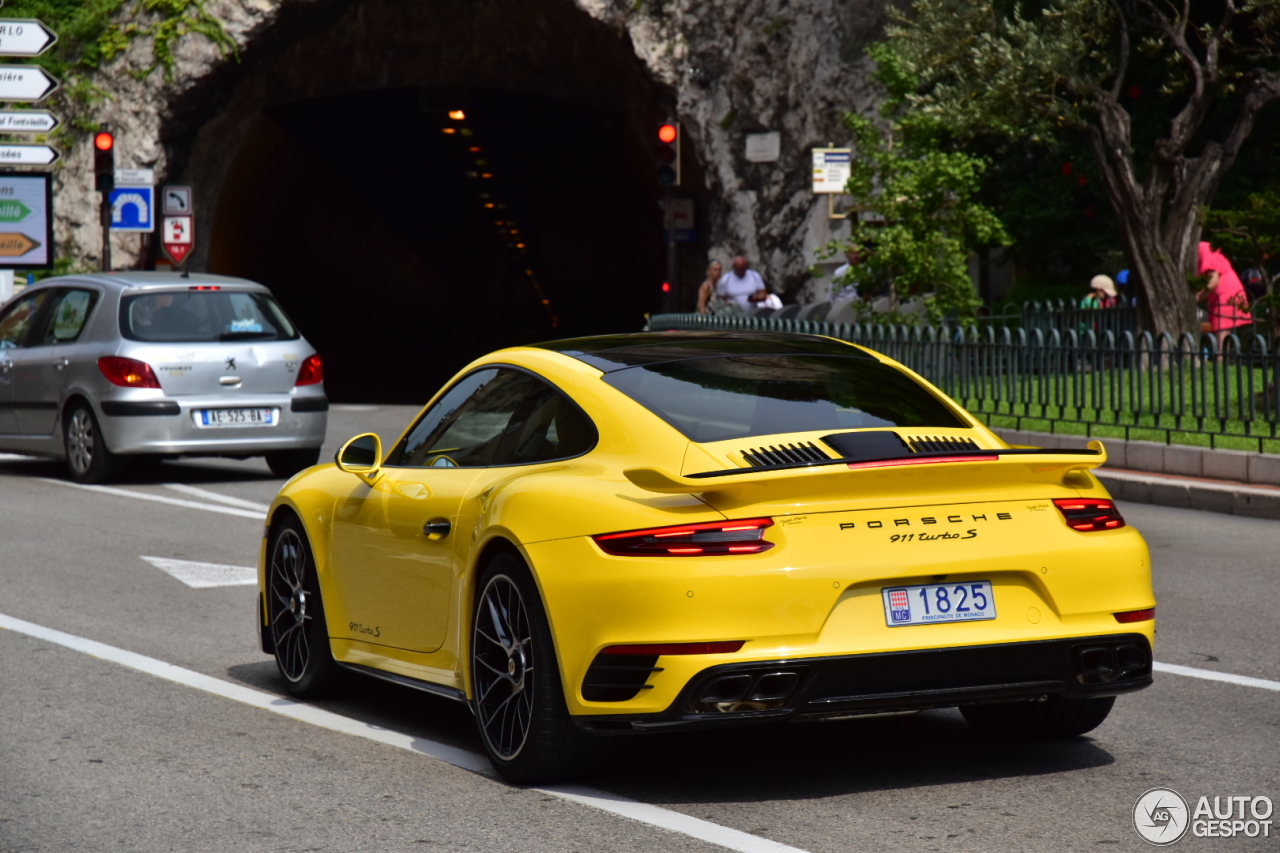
[296, 614]
[88, 459]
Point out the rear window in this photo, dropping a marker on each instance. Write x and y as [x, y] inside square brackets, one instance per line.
[197, 316]
[715, 399]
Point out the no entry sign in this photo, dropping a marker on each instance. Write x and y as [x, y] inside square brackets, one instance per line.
[178, 237]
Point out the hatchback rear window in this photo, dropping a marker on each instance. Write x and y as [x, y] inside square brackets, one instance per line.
[197, 316]
[716, 399]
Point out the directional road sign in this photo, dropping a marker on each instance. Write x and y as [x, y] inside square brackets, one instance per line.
[177, 238]
[27, 155]
[25, 83]
[176, 201]
[25, 38]
[17, 245]
[26, 220]
[27, 121]
[133, 209]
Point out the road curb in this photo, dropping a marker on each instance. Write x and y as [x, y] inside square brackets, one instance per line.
[1192, 493]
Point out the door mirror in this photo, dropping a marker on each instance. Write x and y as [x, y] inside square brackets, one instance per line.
[361, 456]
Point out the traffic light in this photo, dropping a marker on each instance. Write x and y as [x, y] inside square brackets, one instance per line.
[669, 154]
[104, 161]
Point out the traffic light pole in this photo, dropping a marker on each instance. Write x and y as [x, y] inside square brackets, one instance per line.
[106, 232]
[669, 216]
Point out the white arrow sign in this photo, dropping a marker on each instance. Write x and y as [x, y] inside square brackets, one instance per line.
[25, 38]
[27, 121]
[27, 155]
[25, 83]
[201, 575]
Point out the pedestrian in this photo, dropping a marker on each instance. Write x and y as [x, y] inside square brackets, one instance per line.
[1102, 293]
[739, 284]
[1227, 303]
[843, 283]
[708, 287]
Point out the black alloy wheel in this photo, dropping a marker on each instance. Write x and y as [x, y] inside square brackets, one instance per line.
[286, 463]
[519, 703]
[88, 459]
[1052, 718]
[296, 614]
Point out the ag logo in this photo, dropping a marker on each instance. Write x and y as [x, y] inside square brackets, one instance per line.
[1161, 816]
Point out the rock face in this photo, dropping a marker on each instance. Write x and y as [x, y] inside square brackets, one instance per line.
[726, 68]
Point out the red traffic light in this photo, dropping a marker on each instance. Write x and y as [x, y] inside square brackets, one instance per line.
[668, 133]
[104, 141]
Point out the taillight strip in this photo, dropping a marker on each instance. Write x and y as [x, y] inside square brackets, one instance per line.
[708, 538]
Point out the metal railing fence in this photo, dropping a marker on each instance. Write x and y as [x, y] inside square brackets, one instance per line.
[1154, 387]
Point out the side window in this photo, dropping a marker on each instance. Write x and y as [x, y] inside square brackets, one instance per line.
[498, 417]
[15, 324]
[67, 317]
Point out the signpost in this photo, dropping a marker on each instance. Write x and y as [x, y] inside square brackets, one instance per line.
[764, 147]
[25, 38]
[177, 237]
[26, 220]
[832, 168]
[29, 83]
[27, 155]
[135, 177]
[133, 209]
[27, 121]
[176, 201]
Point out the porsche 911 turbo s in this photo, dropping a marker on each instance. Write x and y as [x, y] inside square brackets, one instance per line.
[662, 531]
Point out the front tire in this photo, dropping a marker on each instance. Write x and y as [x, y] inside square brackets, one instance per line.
[286, 463]
[295, 612]
[519, 702]
[1055, 718]
[88, 459]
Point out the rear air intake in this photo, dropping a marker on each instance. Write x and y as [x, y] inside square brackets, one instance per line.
[785, 454]
[936, 444]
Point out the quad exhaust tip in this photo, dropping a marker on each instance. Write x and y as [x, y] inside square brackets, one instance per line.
[747, 692]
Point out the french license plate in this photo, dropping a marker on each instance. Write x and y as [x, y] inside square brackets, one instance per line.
[970, 601]
[209, 418]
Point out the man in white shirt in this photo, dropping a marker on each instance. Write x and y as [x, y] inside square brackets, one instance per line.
[843, 284]
[740, 285]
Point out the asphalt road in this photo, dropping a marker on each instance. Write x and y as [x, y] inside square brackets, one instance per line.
[95, 755]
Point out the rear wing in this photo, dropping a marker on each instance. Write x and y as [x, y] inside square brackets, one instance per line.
[818, 473]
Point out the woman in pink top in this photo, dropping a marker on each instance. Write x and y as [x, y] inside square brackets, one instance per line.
[1228, 305]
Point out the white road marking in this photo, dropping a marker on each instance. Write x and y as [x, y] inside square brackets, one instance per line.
[147, 496]
[17, 457]
[1213, 675]
[216, 496]
[356, 408]
[201, 575]
[703, 830]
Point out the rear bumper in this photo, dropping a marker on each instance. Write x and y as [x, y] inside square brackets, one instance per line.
[853, 685]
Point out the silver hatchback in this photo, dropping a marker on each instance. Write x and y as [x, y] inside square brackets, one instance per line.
[102, 369]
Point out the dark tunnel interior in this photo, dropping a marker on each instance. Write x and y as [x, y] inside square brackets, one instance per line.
[406, 242]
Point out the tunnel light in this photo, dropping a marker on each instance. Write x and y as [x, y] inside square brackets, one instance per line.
[457, 115]
[447, 130]
[488, 204]
[474, 149]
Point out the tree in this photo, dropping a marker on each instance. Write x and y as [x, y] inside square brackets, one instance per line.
[1027, 69]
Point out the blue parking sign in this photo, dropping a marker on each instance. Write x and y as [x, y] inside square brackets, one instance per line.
[133, 209]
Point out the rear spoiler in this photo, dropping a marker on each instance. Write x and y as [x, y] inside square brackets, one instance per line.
[657, 480]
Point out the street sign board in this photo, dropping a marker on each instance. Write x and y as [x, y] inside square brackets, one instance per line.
[26, 220]
[133, 209]
[27, 121]
[136, 177]
[764, 147]
[25, 38]
[25, 83]
[176, 201]
[832, 168]
[27, 155]
[177, 237]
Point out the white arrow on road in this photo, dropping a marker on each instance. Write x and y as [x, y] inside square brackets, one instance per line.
[28, 155]
[25, 83]
[27, 121]
[25, 38]
[200, 575]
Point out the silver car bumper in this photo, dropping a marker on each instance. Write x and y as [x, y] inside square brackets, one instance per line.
[141, 421]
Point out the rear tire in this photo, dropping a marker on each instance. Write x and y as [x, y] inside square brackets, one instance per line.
[519, 702]
[295, 614]
[88, 459]
[286, 463]
[1053, 719]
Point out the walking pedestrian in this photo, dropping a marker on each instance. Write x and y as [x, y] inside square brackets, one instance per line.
[708, 287]
[1227, 303]
[740, 283]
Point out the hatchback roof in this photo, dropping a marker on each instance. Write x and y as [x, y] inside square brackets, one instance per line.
[139, 280]
[614, 352]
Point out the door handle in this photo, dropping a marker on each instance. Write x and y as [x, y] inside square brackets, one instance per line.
[437, 527]
[61, 364]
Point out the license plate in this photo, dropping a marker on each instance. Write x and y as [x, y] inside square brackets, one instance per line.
[209, 418]
[970, 601]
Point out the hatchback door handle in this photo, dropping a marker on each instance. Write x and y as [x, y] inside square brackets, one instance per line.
[437, 527]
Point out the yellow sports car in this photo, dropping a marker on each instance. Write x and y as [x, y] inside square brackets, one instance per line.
[649, 532]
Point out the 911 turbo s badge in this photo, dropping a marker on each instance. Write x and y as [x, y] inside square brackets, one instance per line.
[928, 519]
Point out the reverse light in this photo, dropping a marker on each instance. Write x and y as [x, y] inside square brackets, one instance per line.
[1136, 615]
[932, 460]
[721, 648]
[742, 536]
[127, 372]
[1088, 514]
[311, 371]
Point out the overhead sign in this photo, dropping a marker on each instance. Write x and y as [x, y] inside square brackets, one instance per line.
[26, 220]
[27, 155]
[177, 237]
[27, 121]
[136, 177]
[25, 83]
[25, 38]
[832, 168]
[176, 201]
[764, 147]
[133, 209]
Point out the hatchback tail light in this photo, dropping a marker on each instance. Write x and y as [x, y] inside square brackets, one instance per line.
[690, 540]
[311, 371]
[128, 372]
[1086, 514]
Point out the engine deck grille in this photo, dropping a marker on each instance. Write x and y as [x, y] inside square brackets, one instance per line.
[785, 454]
[937, 444]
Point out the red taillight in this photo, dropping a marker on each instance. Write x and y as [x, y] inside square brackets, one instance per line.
[933, 460]
[127, 372]
[1137, 615]
[676, 648]
[1087, 514]
[311, 371]
[206, 287]
[742, 536]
